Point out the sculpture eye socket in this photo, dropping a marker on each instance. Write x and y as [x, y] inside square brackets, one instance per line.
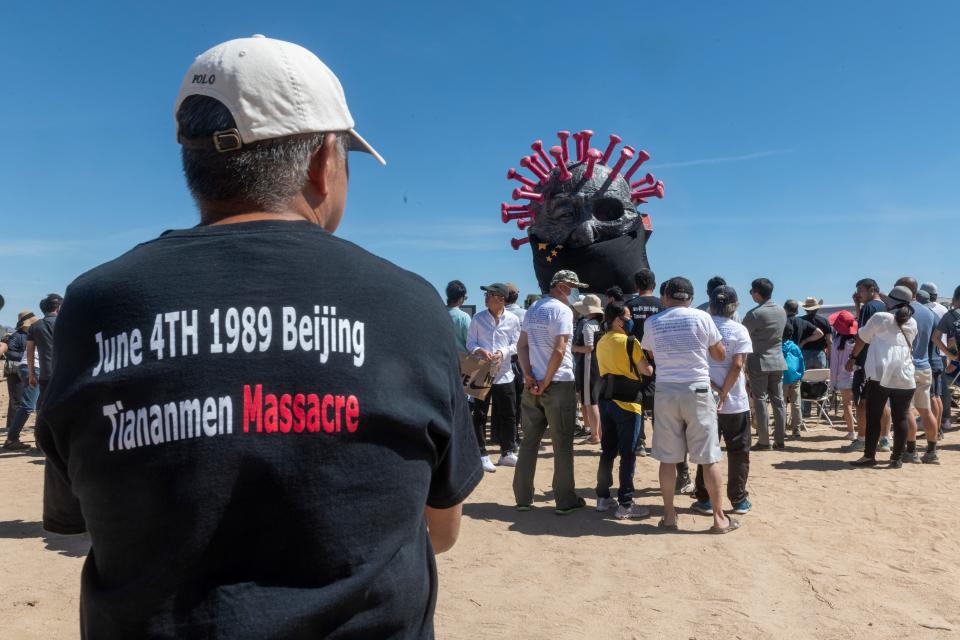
[607, 209]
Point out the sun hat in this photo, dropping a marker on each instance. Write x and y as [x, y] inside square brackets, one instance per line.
[588, 304]
[898, 295]
[25, 318]
[567, 277]
[810, 304]
[273, 89]
[843, 323]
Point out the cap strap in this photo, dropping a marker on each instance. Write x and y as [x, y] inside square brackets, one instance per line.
[220, 141]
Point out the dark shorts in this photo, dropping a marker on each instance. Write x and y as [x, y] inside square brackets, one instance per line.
[859, 380]
[936, 388]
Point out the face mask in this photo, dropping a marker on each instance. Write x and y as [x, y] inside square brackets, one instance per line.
[628, 325]
[573, 295]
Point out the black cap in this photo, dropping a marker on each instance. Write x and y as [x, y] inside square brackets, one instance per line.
[678, 288]
[723, 295]
[497, 288]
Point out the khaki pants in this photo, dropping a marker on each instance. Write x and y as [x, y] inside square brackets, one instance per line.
[791, 397]
[556, 408]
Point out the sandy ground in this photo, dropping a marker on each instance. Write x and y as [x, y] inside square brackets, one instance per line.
[828, 552]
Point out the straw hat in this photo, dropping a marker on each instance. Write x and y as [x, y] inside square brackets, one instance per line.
[588, 305]
[25, 318]
[810, 304]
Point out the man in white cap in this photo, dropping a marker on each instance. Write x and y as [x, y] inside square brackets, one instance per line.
[549, 396]
[257, 450]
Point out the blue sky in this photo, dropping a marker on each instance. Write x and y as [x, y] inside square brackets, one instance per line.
[812, 143]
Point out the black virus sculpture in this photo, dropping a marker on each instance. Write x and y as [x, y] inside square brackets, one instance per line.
[581, 213]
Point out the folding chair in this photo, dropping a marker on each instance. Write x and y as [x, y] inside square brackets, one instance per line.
[815, 388]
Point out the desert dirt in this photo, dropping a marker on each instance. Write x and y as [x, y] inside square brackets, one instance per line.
[827, 552]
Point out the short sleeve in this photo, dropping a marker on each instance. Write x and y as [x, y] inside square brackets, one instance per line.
[713, 334]
[648, 331]
[459, 469]
[32, 332]
[589, 331]
[869, 331]
[743, 343]
[564, 323]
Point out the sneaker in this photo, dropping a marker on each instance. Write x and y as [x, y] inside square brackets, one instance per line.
[580, 503]
[884, 445]
[796, 434]
[895, 464]
[930, 457]
[703, 506]
[642, 451]
[605, 503]
[851, 436]
[864, 462]
[524, 507]
[625, 511]
[742, 507]
[15, 445]
[685, 485]
[508, 460]
[487, 465]
[910, 457]
[780, 446]
[855, 445]
[761, 447]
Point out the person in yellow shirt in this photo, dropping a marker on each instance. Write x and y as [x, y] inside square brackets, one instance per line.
[621, 363]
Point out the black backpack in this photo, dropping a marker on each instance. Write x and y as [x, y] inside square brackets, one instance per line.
[615, 387]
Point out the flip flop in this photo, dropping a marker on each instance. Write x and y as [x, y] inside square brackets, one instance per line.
[733, 526]
[663, 526]
[581, 503]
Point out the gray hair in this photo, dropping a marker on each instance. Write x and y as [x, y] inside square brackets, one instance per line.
[266, 174]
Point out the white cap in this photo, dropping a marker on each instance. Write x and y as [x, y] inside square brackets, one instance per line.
[273, 89]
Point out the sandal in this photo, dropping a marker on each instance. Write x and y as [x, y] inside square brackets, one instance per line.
[733, 526]
[662, 525]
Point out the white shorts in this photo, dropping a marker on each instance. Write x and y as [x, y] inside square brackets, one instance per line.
[685, 422]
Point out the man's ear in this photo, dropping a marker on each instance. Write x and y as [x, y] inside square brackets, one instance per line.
[321, 164]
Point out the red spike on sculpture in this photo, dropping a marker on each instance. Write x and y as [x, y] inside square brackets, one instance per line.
[510, 212]
[614, 141]
[577, 138]
[585, 136]
[523, 224]
[642, 156]
[538, 147]
[655, 191]
[625, 154]
[647, 179]
[527, 195]
[536, 162]
[557, 153]
[516, 243]
[513, 174]
[593, 155]
[563, 136]
[527, 163]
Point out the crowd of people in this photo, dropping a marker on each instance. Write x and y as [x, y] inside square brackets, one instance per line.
[701, 374]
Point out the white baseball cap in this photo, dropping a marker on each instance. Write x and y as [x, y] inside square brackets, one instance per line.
[273, 89]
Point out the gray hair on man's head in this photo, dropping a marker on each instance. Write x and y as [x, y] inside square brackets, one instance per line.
[266, 174]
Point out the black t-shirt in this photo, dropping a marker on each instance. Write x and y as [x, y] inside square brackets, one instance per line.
[41, 334]
[816, 322]
[253, 417]
[641, 308]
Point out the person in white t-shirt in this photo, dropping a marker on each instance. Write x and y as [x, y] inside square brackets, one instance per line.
[889, 371]
[549, 395]
[733, 404]
[685, 412]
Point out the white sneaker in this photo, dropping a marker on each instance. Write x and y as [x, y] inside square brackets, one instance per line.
[633, 511]
[605, 503]
[851, 436]
[487, 465]
[508, 460]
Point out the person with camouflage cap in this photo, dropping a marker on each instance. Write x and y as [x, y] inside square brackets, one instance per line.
[549, 395]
